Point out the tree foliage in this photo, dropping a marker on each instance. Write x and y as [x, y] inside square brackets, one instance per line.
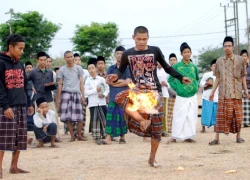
[37, 31]
[96, 39]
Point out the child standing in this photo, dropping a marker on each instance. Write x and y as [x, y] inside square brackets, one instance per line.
[209, 108]
[185, 108]
[97, 90]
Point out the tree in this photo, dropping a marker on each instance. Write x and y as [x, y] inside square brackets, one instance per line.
[96, 40]
[37, 31]
[206, 55]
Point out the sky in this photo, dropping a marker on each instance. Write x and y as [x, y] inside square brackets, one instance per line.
[200, 23]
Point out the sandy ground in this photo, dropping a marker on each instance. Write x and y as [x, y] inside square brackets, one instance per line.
[86, 160]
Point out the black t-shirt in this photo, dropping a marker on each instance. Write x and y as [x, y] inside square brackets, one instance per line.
[143, 67]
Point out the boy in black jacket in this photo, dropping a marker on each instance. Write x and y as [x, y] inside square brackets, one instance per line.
[13, 102]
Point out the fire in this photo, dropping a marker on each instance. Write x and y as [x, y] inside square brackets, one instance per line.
[143, 101]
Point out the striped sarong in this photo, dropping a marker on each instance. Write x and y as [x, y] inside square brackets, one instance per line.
[229, 116]
[71, 107]
[13, 132]
[115, 121]
[154, 130]
[246, 110]
[170, 110]
[98, 119]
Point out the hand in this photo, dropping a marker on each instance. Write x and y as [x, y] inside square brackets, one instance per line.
[33, 89]
[83, 100]
[30, 110]
[98, 89]
[164, 83]
[112, 77]
[49, 84]
[101, 96]
[8, 113]
[186, 80]
[209, 82]
[211, 97]
[40, 111]
[246, 94]
[45, 128]
[58, 103]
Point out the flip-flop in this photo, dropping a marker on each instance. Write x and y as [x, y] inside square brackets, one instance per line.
[105, 143]
[190, 140]
[214, 142]
[114, 140]
[240, 140]
[55, 146]
[122, 141]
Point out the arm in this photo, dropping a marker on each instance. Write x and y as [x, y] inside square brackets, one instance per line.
[81, 86]
[168, 69]
[4, 103]
[121, 83]
[203, 80]
[88, 89]
[123, 65]
[106, 87]
[244, 84]
[38, 120]
[59, 91]
[215, 86]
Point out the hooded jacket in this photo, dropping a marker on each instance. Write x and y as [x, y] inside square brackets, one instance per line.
[12, 83]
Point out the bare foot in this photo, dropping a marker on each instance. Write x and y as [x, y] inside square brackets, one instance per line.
[144, 124]
[40, 145]
[17, 170]
[153, 163]
[80, 138]
[172, 140]
[29, 141]
[54, 146]
[72, 139]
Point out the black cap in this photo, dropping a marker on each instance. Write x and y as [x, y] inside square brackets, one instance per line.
[28, 63]
[213, 62]
[40, 54]
[100, 58]
[243, 52]
[172, 55]
[120, 48]
[40, 101]
[92, 61]
[76, 55]
[184, 46]
[228, 39]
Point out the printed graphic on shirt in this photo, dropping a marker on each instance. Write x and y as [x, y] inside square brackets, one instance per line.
[14, 78]
[142, 67]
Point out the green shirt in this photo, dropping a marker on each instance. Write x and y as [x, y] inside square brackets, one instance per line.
[189, 70]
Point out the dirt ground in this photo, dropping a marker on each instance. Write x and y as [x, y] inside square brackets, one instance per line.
[86, 160]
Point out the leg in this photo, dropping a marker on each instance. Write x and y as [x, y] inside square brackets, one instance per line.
[13, 168]
[70, 127]
[40, 144]
[1, 163]
[154, 147]
[215, 141]
[203, 129]
[137, 117]
[79, 131]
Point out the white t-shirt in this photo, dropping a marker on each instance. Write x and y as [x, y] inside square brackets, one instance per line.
[40, 122]
[163, 76]
[206, 93]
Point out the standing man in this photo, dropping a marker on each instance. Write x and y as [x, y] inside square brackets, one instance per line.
[13, 102]
[71, 95]
[246, 102]
[115, 121]
[230, 75]
[100, 65]
[142, 61]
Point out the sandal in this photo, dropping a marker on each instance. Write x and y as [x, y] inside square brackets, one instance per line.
[54, 146]
[58, 140]
[190, 140]
[105, 143]
[113, 139]
[214, 142]
[122, 141]
[240, 140]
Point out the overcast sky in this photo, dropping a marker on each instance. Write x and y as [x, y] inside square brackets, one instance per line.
[163, 18]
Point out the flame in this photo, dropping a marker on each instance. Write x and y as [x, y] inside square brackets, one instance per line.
[145, 102]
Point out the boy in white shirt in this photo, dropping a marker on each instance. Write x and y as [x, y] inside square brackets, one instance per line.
[97, 90]
[209, 108]
[45, 123]
[163, 79]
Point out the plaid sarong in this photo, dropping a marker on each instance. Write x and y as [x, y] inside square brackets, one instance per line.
[246, 110]
[229, 116]
[164, 120]
[71, 107]
[98, 119]
[115, 121]
[13, 132]
[154, 130]
[170, 110]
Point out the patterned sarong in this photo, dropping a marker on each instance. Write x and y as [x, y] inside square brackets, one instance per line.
[229, 116]
[170, 110]
[115, 121]
[13, 132]
[154, 130]
[246, 110]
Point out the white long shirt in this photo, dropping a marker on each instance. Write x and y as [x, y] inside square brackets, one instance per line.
[206, 93]
[163, 76]
[91, 92]
[40, 122]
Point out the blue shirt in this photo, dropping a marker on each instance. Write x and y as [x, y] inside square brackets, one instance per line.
[115, 90]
